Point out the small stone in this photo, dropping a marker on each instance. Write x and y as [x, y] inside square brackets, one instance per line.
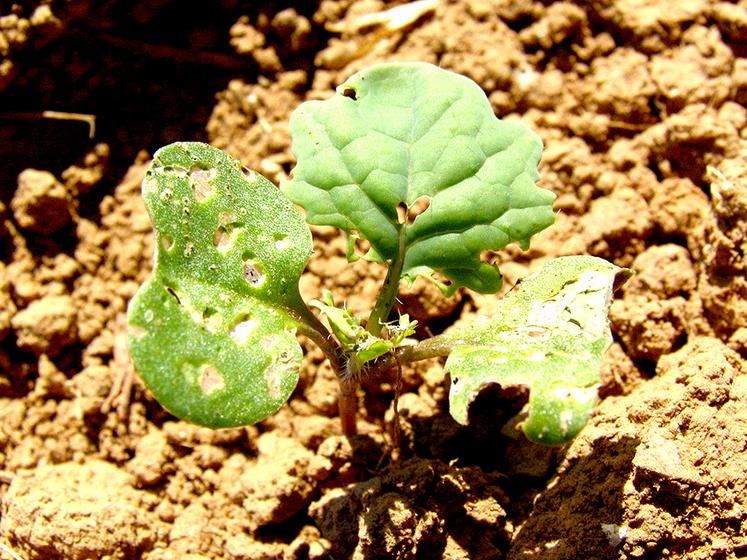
[41, 203]
[46, 326]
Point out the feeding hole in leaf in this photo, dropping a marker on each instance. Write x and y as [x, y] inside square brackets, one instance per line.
[166, 194]
[281, 241]
[202, 182]
[401, 213]
[357, 246]
[171, 170]
[242, 329]
[282, 363]
[210, 380]
[167, 243]
[250, 174]
[211, 319]
[495, 404]
[350, 92]
[408, 214]
[420, 205]
[439, 278]
[253, 273]
[224, 237]
[226, 233]
[489, 256]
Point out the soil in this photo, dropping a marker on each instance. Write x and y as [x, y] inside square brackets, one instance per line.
[641, 105]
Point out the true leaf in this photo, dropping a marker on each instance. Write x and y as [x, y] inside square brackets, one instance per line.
[356, 339]
[549, 335]
[398, 133]
[212, 332]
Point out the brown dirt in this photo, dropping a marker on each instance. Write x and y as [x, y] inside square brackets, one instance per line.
[641, 105]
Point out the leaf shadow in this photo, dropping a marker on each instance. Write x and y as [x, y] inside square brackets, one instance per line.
[417, 508]
[580, 512]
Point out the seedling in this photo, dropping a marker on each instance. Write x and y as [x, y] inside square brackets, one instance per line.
[411, 158]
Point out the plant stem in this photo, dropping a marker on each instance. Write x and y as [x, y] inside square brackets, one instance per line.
[314, 329]
[347, 403]
[434, 347]
[388, 292]
[311, 327]
[437, 347]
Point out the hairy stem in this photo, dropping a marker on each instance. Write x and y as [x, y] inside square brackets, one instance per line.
[388, 292]
[314, 329]
[436, 347]
[347, 402]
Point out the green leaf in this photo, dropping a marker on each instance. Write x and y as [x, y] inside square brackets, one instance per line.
[549, 335]
[398, 133]
[212, 332]
[345, 325]
[357, 340]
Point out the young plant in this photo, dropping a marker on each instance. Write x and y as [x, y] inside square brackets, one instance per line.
[411, 158]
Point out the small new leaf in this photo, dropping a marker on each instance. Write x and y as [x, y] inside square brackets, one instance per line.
[346, 326]
[357, 340]
[398, 133]
[549, 335]
[212, 332]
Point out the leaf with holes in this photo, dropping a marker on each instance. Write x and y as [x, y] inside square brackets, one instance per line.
[548, 335]
[411, 157]
[212, 332]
